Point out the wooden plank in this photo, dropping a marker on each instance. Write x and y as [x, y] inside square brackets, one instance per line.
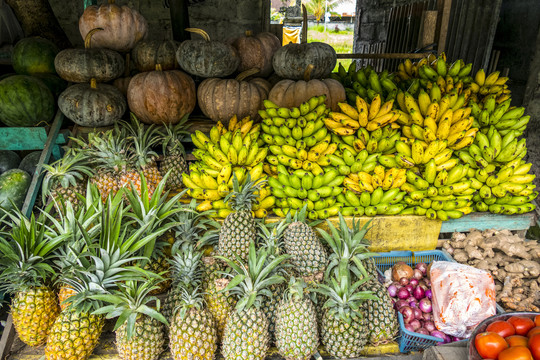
[484, 221]
[428, 26]
[25, 138]
[384, 56]
[8, 336]
[491, 31]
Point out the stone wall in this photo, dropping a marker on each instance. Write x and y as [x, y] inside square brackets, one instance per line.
[222, 19]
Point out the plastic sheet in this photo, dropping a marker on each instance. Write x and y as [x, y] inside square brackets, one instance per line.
[463, 297]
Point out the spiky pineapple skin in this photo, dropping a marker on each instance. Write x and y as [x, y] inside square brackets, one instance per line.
[194, 336]
[34, 312]
[60, 195]
[160, 265]
[246, 335]
[237, 232]
[107, 183]
[308, 255]
[65, 293]
[381, 317]
[146, 342]
[131, 177]
[342, 340]
[296, 329]
[270, 305]
[177, 165]
[73, 336]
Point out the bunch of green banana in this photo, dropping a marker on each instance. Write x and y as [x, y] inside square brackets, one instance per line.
[494, 85]
[439, 194]
[416, 153]
[379, 202]
[211, 186]
[294, 189]
[436, 117]
[380, 141]
[505, 118]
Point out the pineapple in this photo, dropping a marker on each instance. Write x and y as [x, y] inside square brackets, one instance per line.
[308, 256]
[343, 328]
[66, 178]
[238, 229]
[27, 250]
[144, 159]
[193, 333]
[139, 331]
[76, 331]
[246, 332]
[296, 324]
[381, 316]
[174, 155]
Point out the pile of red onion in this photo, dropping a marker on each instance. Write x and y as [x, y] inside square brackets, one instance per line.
[411, 289]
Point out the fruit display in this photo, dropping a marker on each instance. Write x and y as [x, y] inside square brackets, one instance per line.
[231, 154]
[256, 51]
[14, 185]
[504, 118]
[290, 61]
[34, 55]
[148, 53]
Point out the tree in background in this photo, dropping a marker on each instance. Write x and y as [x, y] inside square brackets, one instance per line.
[318, 8]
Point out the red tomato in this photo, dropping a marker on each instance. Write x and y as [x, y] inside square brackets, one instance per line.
[521, 324]
[489, 344]
[534, 346]
[502, 328]
[517, 340]
[534, 331]
[515, 353]
[537, 320]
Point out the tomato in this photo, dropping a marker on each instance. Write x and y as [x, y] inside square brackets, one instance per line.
[533, 331]
[521, 324]
[534, 346]
[489, 344]
[537, 320]
[502, 328]
[515, 353]
[517, 340]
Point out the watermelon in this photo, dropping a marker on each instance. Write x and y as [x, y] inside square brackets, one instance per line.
[8, 160]
[30, 161]
[14, 185]
[55, 83]
[3, 76]
[25, 101]
[34, 55]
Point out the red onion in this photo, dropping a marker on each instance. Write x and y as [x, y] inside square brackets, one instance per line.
[455, 338]
[417, 274]
[447, 339]
[438, 334]
[415, 324]
[392, 290]
[430, 326]
[403, 293]
[426, 316]
[401, 303]
[408, 314]
[414, 282]
[425, 305]
[413, 304]
[418, 293]
[417, 313]
[423, 286]
[404, 281]
[428, 294]
[422, 267]
[409, 288]
[409, 328]
[428, 282]
[422, 331]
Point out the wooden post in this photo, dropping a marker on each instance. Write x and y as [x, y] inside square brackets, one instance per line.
[179, 19]
[445, 19]
[428, 25]
[303, 38]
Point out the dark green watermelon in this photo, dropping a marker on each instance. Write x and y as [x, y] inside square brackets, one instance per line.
[30, 161]
[14, 185]
[3, 76]
[8, 160]
[25, 101]
[55, 83]
[34, 55]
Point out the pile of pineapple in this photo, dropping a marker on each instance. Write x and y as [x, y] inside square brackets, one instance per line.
[236, 288]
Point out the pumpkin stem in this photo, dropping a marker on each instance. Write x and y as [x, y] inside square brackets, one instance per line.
[158, 67]
[88, 37]
[93, 83]
[247, 73]
[201, 32]
[249, 33]
[307, 72]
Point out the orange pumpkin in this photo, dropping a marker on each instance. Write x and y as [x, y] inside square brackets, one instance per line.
[123, 26]
[290, 93]
[161, 97]
[257, 51]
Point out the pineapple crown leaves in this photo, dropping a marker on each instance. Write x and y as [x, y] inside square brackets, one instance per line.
[347, 244]
[27, 250]
[271, 235]
[296, 289]
[131, 300]
[186, 266]
[251, 281]
[65, 172]
[193, 227]
[300, 216]
[141, 140]
[344, 300]
[172, 137]
[189, 300]
[243, 196]
[107, 150]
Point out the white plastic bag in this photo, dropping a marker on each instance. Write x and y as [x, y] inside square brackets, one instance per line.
[463, 296]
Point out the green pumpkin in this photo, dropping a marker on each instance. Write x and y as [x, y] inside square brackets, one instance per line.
[25, 101]
[34, 55]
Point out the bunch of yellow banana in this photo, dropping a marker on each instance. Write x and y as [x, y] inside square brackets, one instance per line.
[492, 84]
[379, 202]
[371, 117]
[380, 177]
[380, 141]
[294, 189]
[504, 117]
[408, 70]
[418, 153]
[431, 68]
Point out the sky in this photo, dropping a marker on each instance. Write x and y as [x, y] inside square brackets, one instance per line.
[348, 7]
